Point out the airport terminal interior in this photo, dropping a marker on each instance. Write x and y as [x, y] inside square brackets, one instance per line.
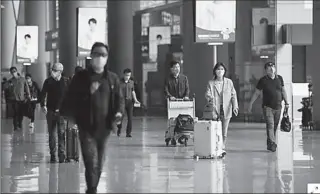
[146, 36]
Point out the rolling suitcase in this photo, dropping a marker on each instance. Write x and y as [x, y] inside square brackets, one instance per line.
[208, 140]
[72, 146]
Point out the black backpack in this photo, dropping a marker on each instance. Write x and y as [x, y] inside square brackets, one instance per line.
[184, 123]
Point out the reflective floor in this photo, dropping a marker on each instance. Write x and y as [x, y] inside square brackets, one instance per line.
[144, 164]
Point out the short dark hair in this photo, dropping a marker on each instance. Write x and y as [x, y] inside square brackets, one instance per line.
[99, 44]
[27, 36]
[159, 36]
[264, 20]
[127, 70]
[269, 64]
[219, 64]
[13, 68]
[93, 20]
[28, 75]
[173, 63]
[78, 69]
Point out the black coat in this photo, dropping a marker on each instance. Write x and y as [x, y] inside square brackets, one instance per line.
[77, 100]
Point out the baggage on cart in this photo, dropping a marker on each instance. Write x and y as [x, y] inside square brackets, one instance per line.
[72, 146]
[181, 115]
[208, 140]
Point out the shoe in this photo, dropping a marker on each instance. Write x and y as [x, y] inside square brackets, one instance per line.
[62, 159]
[128, 135]
[31, 125]
[118, 133]
[53, 159]
[91, 191]
[223, 153]
[173, 142]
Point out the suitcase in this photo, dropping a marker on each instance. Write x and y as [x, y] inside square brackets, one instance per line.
[72, 146]
[208, 140]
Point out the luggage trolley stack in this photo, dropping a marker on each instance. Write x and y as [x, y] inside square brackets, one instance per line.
[184, 109]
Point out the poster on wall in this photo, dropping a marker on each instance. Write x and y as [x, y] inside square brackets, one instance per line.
[92, 27]
[27, 44]
[158, 35]
[263, 16]
[215, 21]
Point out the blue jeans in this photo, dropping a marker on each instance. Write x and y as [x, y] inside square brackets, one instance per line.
[272, 118]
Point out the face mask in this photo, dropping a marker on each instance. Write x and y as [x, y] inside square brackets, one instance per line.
[99, 62]
[54, 74]
[220, 73]
[15, 74]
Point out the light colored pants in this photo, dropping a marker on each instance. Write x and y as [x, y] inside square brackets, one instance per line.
[225, 126]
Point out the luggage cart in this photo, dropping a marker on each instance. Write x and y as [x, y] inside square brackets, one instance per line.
[174, 109]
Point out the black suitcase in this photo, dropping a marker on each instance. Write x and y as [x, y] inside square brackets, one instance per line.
[72, 146]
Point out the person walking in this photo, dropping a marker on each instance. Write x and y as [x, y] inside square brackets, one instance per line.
[271, 86]
[221, 94]
[95, 101]
[53, 90]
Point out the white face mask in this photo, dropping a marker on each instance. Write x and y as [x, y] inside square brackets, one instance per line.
[55, 74]
[99, 62]
[220, 73]
[15, 74]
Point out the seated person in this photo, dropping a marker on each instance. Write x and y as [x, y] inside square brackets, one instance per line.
[176, 84]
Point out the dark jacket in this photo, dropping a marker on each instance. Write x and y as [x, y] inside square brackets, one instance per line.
[54, 91]
[178, 92]
[34, 91]
[18, 89]
[77, 101]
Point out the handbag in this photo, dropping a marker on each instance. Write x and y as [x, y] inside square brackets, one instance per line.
[285, 125]
[209, 112]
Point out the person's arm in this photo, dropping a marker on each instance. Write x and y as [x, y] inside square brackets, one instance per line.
[284, 92]
[65, 89]
[187, 89]
[166, 89]
[119, 98]
[209, 94]
[27, 90]
[134, 96]
[234, 99]
[43, 93]
[256, 93]
[68, 103]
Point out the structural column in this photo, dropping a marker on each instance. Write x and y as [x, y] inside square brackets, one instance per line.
[313, 63]
[8, 33]
[120, 34]
[36, 14]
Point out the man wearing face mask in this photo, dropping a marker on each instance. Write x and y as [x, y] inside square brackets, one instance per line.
[273, 91]
[176, 85]
[53, 90]
[95, 101]
[18, 95]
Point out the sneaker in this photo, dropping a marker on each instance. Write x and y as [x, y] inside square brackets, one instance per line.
[53, 159]
[128, 135]
[31, 125]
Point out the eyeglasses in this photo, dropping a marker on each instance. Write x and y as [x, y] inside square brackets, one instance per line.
[55, 70]
[96, 54]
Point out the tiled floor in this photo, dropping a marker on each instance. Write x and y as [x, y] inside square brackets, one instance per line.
[144, 164]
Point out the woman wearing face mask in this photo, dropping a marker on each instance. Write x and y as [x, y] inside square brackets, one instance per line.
[34, 93]
[221, 94]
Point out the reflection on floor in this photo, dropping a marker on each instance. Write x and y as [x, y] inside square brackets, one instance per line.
[144, 164]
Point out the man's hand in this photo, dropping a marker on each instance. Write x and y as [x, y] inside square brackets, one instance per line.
[186, 98]
[235, 111]
[44, 109]
[118, 118]
[286, 105]
[172, 98]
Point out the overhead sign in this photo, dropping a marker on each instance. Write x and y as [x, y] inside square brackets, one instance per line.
[215, 21]
[52, 40]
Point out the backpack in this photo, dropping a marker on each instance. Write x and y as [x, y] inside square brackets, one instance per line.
[184, 123]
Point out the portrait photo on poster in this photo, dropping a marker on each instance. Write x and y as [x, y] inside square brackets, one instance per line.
[158, 35]
[92, 27]
[215, 21]
[27, 44]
